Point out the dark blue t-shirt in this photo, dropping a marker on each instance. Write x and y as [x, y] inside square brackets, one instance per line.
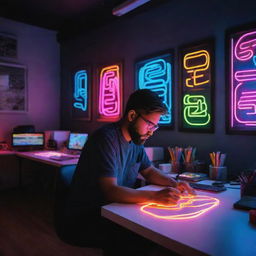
[106, 154]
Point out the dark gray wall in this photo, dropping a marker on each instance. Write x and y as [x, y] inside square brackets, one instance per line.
[170, 25]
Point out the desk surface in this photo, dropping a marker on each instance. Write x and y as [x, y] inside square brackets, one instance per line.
[32, 156]
[222, 231]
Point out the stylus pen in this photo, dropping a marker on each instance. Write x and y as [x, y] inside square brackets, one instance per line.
[177, 176]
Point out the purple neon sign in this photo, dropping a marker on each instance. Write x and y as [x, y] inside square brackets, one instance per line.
[243, 81]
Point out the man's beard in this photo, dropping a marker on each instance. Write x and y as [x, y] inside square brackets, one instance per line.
[135, 136]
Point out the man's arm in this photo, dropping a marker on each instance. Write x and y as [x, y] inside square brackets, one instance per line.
[115, 193]
[155, 176]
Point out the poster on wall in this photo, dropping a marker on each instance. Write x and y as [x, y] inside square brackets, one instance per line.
[241, 80]
[156, 73]
[110, 93]
[196, 87]
[13, 88]
[81, 85]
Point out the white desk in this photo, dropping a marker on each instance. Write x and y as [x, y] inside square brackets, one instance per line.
[223, 231]
[32, 156]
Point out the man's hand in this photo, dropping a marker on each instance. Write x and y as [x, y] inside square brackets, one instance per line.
[184, 188]
[167, 196]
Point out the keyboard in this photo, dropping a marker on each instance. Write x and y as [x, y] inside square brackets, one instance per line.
[209, 188]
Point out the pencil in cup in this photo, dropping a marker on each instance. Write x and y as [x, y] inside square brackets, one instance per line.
[248, 183]
[189, 159]
[217, 159]
[217, 170]
[175, 156]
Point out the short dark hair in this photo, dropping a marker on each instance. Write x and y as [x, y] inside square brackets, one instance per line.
[147, 101]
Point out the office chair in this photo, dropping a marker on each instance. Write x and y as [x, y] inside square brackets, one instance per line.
[70, 236]
[63, 182]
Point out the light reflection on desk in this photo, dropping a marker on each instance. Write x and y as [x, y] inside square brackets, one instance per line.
[48, 153]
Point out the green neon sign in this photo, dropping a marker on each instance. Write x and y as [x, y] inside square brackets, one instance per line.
[195, 110]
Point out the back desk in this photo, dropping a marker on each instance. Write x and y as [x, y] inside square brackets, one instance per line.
[65, 168]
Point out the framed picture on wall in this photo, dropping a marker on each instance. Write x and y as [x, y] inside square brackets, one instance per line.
[241, 80]
[8, 46]
[110, 92]
[81, 93]
[13, 88]
[196, 87]
[155, 72]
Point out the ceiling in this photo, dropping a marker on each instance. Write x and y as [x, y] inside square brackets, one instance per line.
[54, 14]
[62, 15]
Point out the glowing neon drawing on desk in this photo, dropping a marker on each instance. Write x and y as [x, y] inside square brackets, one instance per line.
[200, 203]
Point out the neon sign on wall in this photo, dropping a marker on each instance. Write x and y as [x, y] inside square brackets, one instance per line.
[81, 90]
[156, 74]
[242, 81]
[81, 93]
[188, 207]
[110, 93]
[196, 87]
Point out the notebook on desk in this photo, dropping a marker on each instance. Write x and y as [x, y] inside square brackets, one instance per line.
[192, 176]
[209, 188]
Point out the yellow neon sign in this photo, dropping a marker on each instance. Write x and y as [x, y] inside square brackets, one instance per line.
[196, 71]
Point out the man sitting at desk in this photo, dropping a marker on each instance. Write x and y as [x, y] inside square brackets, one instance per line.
[108, 168]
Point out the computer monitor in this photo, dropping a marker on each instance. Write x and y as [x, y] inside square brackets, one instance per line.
[28, 139]
[77, 140]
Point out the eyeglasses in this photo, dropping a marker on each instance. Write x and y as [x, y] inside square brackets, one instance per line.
[151, 126]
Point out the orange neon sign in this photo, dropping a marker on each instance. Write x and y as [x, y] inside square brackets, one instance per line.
[188, 207]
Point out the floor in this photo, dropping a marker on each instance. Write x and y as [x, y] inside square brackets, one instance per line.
[26, 226]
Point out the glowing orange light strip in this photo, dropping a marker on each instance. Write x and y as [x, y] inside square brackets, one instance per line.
[213, 202]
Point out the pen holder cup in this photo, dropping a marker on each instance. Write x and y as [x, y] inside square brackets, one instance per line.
[218, 173]
[248, 189]
[189, 166]
[176, 167]
[200, 166]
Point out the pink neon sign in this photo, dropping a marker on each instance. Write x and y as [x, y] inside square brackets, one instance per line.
[244, 48]
[243, 81]
[110, 92]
